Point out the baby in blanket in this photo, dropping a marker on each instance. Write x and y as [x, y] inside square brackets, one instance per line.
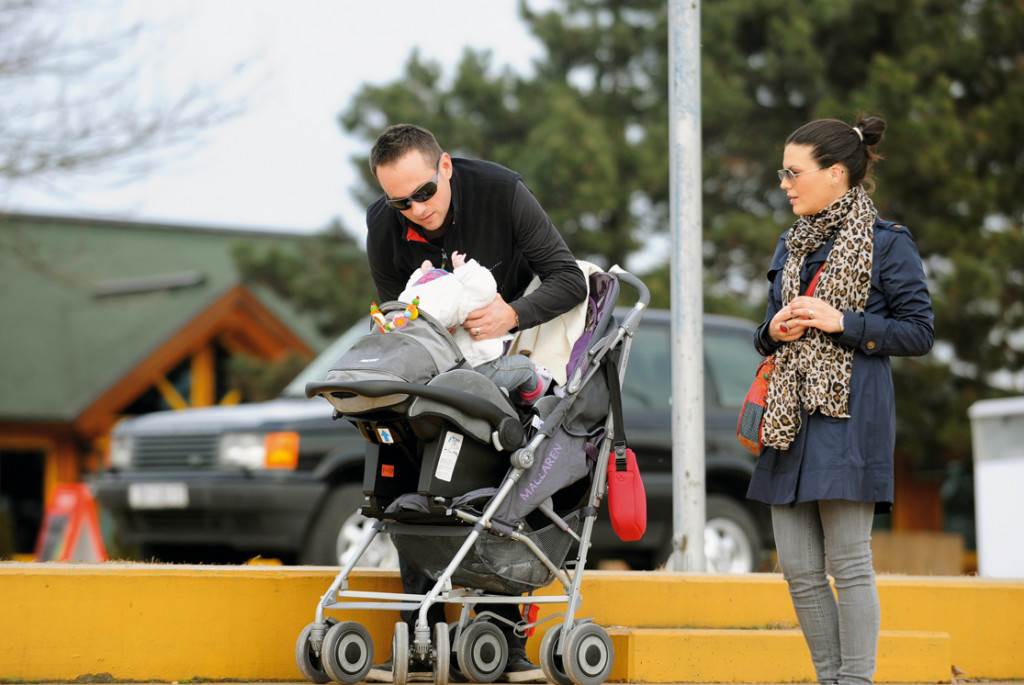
[449, 297]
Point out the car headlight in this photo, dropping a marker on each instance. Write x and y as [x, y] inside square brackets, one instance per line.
[121, 447]
[243, 449]
[260, 451]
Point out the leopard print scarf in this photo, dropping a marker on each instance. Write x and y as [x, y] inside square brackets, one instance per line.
[815, 371]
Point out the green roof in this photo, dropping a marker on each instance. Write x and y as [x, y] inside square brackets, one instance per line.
[84, 301]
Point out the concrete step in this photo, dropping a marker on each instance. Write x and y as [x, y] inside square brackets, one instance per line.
[673, 600]
[666, 655]
[148, 622]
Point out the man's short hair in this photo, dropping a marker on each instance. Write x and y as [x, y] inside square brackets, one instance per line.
[399, 139]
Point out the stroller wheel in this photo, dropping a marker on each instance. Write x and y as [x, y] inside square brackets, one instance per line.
[347, 653]
[588, 654]
[400, 654]
[442, 654]
[307, 660]
[551, 660]
[482, 652]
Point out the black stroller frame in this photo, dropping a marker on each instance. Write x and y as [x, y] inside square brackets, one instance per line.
[575, 651]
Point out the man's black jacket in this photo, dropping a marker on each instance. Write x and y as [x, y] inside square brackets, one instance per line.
[493, 219]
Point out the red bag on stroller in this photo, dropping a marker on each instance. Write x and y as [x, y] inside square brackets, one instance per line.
[627, 499]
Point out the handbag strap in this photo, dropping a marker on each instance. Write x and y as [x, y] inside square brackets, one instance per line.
[814, 280]
[611, 372]
[809, 292]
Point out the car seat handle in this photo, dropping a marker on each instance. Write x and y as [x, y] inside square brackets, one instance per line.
[467, 403]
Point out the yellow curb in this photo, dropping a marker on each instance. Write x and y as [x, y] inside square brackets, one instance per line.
[737, 656]
[155, 622]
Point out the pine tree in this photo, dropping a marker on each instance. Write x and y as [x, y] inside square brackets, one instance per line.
[588, 129]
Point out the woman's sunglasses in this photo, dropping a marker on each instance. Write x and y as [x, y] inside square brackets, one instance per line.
[792, 176]
[421, 194]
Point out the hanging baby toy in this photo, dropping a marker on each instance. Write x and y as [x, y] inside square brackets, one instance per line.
[411, 313]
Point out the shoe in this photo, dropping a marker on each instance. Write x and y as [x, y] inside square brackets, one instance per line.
[540, 386]
[382, 673]
[519, 669]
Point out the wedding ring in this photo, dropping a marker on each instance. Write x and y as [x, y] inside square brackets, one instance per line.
[810, 313]
[476, 331]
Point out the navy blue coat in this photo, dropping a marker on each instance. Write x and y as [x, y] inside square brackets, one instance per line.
[852, 459]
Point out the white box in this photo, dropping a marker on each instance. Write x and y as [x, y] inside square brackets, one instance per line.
[997, 439]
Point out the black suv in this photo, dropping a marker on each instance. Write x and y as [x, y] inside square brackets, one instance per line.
[281, 479]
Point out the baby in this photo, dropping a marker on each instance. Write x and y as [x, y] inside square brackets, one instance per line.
[449, 297]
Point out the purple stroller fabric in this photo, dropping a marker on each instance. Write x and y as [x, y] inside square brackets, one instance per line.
[563, 458]
[604, 289]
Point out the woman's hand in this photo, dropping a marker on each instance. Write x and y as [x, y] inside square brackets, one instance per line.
[811, 312]
[783, 328]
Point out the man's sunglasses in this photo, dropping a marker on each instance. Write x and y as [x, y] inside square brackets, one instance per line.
[421, 194]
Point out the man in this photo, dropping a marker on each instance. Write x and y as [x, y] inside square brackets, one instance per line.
[435, 205]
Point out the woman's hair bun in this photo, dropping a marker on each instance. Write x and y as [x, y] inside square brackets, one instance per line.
[833, 141]
[872, 129]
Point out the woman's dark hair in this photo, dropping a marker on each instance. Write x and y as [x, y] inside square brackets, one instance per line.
[398, 139]
[833, 141]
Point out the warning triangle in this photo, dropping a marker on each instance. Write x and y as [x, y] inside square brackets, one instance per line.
[71, 530]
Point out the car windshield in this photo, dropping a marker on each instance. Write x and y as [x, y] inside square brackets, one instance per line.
[318, 368]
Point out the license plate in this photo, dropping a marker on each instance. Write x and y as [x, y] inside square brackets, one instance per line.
[157, 495]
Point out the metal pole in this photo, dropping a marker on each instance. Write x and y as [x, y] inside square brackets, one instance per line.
[688, 508]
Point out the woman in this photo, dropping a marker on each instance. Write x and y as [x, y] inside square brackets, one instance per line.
[829, 427]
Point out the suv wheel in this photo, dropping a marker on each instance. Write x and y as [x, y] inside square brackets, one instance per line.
[338, 529]
[731, 540]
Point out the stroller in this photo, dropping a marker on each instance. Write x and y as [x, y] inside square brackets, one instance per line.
[483, 498]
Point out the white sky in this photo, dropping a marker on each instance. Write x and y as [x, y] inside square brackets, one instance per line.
[284, 163]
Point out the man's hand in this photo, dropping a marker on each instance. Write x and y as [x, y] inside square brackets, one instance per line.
[492, 321]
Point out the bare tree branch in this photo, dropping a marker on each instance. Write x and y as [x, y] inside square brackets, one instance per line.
[74, 97]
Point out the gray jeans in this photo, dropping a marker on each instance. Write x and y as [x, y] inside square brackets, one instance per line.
[843, 636]
[516, 373]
